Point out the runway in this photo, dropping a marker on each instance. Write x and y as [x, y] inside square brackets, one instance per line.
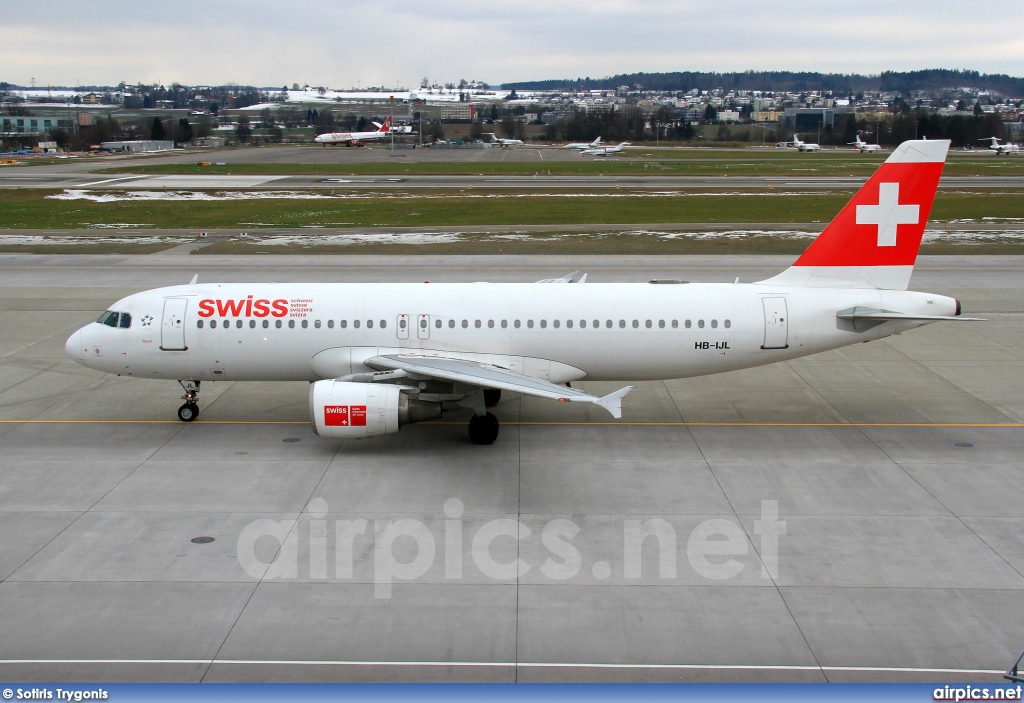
[895, 466]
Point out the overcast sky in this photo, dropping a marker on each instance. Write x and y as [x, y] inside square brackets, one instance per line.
[341, 44]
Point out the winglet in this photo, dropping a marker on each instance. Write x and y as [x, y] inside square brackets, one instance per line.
[195, 280]
[613, 401]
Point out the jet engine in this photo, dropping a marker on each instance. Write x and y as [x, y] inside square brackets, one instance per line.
[347, 410]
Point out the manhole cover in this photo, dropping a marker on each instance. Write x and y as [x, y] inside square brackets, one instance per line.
[963, 445]
[290, 439]
[202, 540]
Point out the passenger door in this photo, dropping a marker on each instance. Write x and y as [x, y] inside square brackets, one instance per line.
[172, 331]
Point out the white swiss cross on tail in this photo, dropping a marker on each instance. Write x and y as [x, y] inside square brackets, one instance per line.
[888, 214]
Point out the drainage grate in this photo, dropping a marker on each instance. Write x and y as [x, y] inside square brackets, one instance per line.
[290, 439]
[202, 540]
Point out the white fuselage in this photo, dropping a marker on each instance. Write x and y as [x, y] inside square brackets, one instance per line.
[558, 332]
[349, 137]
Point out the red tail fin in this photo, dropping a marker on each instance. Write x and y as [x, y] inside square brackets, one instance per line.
[386, 127]
[873, 242]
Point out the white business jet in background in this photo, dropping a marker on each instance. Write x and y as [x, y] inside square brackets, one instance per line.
[1008, 149]
[863, 146]
[379, 356]
[605, 150]
[581, 145]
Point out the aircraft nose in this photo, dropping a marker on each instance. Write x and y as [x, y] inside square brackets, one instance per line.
[73, 347]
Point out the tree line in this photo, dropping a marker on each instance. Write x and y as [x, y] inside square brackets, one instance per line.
[790, 81]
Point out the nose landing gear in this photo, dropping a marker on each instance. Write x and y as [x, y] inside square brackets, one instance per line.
[190, 410]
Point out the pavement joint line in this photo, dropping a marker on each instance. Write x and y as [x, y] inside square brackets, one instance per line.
[537, 422]
[535, 665]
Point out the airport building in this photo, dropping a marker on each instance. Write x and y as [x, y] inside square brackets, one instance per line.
[139, 146]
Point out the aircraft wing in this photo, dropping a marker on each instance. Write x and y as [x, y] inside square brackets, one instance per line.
[488, 376]
[574, 277]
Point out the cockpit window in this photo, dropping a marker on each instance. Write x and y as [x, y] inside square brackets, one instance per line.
[115, 319]
[109, 318]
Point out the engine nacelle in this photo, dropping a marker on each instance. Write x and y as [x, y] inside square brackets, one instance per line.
[349, 410]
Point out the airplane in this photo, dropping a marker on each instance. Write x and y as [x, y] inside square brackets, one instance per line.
[355, 138]
[803, 146]
[605, 150]
[494, 139]
[381, 356]
[1008, 149]
[581, 145]
[864, 146]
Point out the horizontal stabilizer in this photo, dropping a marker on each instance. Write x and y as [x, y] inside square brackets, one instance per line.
[864, 318]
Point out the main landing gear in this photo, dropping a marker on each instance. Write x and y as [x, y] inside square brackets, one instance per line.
[483, 429]
[190, 410]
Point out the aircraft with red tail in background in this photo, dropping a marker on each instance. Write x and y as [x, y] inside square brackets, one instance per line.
[355, 138]
[379, 356]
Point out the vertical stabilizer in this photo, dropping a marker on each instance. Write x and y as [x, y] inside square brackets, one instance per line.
[873, 242]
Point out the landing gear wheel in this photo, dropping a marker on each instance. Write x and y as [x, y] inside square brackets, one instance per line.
[483, 429]
[492, 396]
[188, 412]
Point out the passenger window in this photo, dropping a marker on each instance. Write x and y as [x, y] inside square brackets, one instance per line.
[636, 323]
[516, 324]
[291, 324]
[266, 324]
[556, 323]
[675, 324]
[504, 324]
[369, 324]
[647, 324]
[451, 324]
[465, 324]
[700, 324]
[305, 324]
[714, 324]
[597, 323]
[477, 324]
[383, 324]
[252, 324]
[213, 324]
[543, 324]
[238, 324]
[608, 324]
[355, 323]
[728, 324]
[126, 321]
[277, 324]
[490, 324]
[199, 324]
[622, 324]
[330, 324]
[688, 324]
[529, 323]
[568, 323]
[109, 319]
[661, 324]
[402, 324]
[343, 324]
[316, 324]
[437, 324]
[583, 324]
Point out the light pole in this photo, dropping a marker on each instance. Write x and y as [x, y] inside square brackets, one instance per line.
[392, 129]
